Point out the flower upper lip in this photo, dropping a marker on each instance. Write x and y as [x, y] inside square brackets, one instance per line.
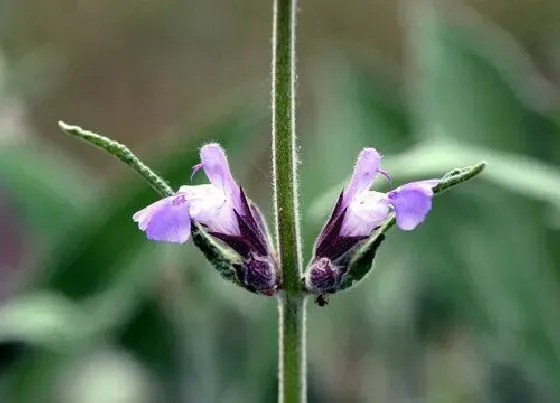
[365, 170]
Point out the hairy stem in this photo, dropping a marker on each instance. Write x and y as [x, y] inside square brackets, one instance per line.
[292, 359]
[291, 376]
[284, 147]
[123, 153]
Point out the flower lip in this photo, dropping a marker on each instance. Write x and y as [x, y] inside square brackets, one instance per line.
[179, 199]
[366, 212]
[166, 220]
[216, 166]
[411, 203]
[210, 207]
[365, 170]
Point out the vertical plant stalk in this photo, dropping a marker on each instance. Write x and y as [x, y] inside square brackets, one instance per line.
[291, 370]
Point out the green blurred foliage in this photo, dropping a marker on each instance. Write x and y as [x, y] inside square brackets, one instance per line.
[464, 309]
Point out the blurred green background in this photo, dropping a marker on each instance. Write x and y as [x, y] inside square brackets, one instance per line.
[464, 309]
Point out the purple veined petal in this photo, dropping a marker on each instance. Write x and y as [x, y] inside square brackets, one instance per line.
[365, 170]
[166, 220]
[215, 164]
[365, 213]
[412, 202]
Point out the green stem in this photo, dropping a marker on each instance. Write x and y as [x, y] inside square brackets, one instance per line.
[123, 153]
[292, 357]
[291, 376]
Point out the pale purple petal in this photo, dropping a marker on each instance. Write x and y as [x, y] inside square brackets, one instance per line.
[365, 170]
[166, 220]
[209, 206]
[365, 213]
[215, 164]
[426, 185]
[411, 203]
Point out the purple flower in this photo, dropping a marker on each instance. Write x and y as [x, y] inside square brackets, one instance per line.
[367, 209]
[222, 209]
[359, 210]
[358, 213]
[213, 205]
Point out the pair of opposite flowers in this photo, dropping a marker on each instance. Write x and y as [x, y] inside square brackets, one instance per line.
[222, 210]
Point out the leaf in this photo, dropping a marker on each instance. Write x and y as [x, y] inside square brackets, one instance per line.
[46, 319]
[32, 377]
[150, 335]
[108, 266]
[49, 190]
[471, 81]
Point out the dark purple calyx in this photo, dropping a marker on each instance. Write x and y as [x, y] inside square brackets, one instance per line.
[330, 244]
[323, 276]
[258, 274]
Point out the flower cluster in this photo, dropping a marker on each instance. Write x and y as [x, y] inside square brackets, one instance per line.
[222, 210]
[357, 214]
